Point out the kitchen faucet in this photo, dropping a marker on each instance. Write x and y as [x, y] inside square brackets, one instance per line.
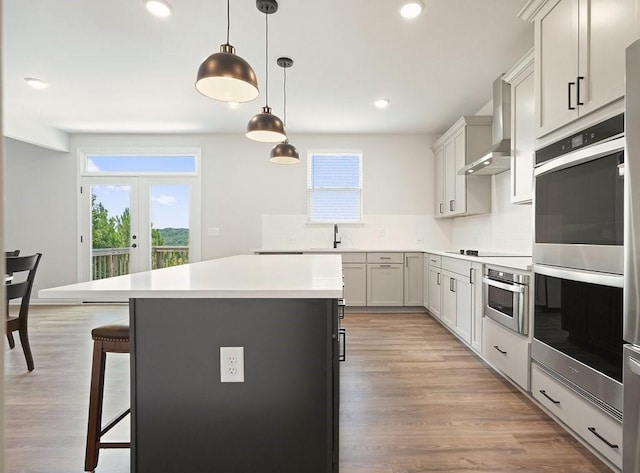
[336, 240]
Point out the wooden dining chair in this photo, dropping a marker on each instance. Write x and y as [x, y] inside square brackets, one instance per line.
[21, 289]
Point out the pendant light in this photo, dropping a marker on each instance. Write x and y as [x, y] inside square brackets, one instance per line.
[265, 126]
[285, 152]
[226, 77]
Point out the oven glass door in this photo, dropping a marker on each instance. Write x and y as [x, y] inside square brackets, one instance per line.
[582, 204]
[582, 320]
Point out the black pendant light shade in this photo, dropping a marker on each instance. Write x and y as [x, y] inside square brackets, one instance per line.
[226, 77]
[266, 127]
[284, 153]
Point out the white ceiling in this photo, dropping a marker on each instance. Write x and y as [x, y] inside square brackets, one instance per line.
[113, 67]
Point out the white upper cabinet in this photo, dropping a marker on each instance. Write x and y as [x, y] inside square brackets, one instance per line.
[459, 194]
[522, 129]
[579, 56]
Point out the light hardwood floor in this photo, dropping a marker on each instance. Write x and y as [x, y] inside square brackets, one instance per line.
[413, 399]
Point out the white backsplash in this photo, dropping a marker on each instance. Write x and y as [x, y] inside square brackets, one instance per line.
[378, 232]
[508, 228]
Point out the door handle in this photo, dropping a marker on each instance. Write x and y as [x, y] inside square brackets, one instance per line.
[569, 95]
[595, 432]
[498, 348]
[634, 366]
[441, 205]
[578, 102]
[438, 282]
[451, 205]
[544, 393]
[342, 335]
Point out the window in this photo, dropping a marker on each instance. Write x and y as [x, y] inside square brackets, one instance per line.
[139, 163]
[334, 187]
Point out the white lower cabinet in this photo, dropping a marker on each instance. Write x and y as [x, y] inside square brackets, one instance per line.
[385, 284]
[413, 279]
[598, 429]
[425, 281]
[459, 290]
[506, 351]
[355, 284]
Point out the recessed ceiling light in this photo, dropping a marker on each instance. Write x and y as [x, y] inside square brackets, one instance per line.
[470, 171]
[158, 7]
[381, 103]
[487, 162]
[411, 9]
[36, 83]
[233, 105]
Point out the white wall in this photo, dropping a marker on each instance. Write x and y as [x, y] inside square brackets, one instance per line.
[243, 194]
[508, 228]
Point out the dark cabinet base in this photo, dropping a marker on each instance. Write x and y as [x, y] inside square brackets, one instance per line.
[283, 418]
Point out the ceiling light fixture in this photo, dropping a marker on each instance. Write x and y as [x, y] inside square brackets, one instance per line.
[381, 103]
[265, 126]
[36, 83]
[226, 77]
[411, 9]
[285, 152]
[159, 7]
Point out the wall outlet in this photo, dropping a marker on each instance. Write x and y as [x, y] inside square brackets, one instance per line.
[232, 364]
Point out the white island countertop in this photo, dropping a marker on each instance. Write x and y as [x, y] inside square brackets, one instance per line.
[245, 276]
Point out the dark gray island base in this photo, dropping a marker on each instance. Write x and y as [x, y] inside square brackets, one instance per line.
[282, 419]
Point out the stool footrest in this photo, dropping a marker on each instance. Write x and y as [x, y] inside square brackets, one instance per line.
[115, 420]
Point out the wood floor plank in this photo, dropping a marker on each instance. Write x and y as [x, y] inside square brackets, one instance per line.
[413, 399]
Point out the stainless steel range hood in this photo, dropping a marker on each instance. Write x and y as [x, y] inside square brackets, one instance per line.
[497, 158]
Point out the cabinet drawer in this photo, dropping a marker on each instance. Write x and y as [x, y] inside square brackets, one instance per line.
[506, 351]
[385, 258]
[457, 266]
[435, 261]
[354, 257]
[598, 429]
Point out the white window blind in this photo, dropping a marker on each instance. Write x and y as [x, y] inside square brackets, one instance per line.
[334, 187]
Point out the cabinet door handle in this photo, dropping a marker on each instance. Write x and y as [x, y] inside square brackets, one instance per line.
[470, 275]
[406, 261]
[594, 432]
[569, 95]
[385, 265]
[498, 348]
[452, 285]
[438, 282]
[451, 205]
[441, 205]
[578, 102]
[342, 334]
[544, 393]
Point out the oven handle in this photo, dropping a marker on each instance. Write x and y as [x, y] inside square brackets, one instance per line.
[602, 279]
[580, 156]
[502, 285]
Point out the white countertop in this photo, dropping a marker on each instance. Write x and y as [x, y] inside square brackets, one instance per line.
[245, 276]
[522, 263]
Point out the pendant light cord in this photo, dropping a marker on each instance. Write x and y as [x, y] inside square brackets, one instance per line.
[284, 93]
[228, 21]
[266, 60]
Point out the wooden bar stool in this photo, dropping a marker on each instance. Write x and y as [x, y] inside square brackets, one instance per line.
[106, 339]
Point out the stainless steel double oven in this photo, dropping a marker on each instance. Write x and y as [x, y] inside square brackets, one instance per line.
[578, 262]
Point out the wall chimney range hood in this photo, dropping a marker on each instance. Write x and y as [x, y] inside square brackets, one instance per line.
[497, 158]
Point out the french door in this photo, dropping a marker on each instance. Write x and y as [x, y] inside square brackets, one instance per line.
[132, 224]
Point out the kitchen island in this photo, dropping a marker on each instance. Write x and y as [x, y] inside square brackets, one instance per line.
[282, 311]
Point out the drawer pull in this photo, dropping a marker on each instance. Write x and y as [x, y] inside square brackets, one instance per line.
[594, 432]
[498, 348]
[385, 257]
[544, 393]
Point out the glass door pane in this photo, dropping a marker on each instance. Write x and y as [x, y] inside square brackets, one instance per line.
[113, 238]
[169, 210]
